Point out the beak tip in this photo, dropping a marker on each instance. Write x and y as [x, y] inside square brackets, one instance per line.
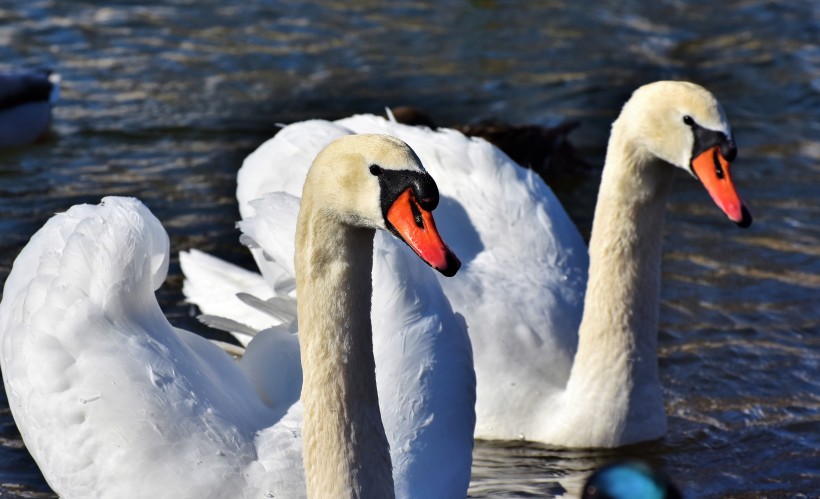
[451, 265]
[745, 218]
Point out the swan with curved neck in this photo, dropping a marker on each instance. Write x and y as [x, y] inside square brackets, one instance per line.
[613, 394]
[541, 375]
[334, 241]
[112, 401]
[553, 365]
[424, 362]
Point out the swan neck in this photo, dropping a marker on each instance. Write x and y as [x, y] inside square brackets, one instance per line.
[618, 332]
[346, 452]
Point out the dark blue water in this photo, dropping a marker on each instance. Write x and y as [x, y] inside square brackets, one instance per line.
[162, 100]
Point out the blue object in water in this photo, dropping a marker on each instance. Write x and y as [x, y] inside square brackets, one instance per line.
[629, 480]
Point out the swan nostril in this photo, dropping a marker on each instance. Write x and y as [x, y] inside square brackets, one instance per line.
[416, 215]
[718, 166]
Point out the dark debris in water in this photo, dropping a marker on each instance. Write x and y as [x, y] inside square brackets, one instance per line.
[545, 150]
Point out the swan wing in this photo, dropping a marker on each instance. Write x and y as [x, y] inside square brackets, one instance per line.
[281, 163]
[223, 290]
[424, 372]
[213, 284]
[280, 471]
[110, 399]
[269, 234]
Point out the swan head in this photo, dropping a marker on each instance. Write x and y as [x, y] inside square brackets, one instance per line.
[378, 182]
[684, 125]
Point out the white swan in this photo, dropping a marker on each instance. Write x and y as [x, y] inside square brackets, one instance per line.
[423, 355]
[522, 286]
[26, 99]
[112, 401]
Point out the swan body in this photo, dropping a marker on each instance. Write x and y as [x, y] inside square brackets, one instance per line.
[424, 363]
[109, 398]
[26, 100]
[528, 282]
[112, 401]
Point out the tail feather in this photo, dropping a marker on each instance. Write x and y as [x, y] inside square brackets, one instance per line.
[213, 284]
[227, 325]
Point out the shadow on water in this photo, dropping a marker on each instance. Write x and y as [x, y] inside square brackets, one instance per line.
[542, 471]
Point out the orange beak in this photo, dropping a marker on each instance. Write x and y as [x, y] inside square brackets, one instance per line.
[416, 227]
[712, 170]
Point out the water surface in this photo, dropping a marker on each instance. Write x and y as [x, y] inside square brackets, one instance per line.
[162, 100]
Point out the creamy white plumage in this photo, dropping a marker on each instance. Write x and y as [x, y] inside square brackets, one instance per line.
[522, 286]
[112, 401]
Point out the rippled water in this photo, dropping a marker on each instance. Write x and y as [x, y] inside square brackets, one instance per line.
[163, 100]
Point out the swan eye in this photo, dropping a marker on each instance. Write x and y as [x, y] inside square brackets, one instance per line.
[376, 170]
[688, 120]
